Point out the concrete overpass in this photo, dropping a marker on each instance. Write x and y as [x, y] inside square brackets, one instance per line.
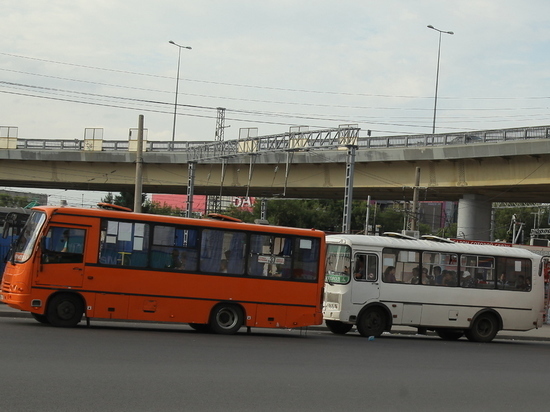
[475, 168]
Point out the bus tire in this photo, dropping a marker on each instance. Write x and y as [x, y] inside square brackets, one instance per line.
[449, 334]
[200, 327]
[65, 310]
[337, 327]
[484, 328]
[40, 318]
[372, 322]
[226, 318]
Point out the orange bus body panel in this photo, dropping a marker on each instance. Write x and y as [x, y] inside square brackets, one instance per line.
[139, 294]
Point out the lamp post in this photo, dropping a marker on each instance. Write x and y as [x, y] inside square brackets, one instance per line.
[177, 85]
[437, 73]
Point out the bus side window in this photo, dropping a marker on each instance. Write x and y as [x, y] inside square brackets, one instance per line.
[365, 267]
[304, 258]
[124, 243]
[222, 251]
[63, 245]
[514, 274]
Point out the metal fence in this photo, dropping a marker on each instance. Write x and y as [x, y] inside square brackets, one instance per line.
[294, 141]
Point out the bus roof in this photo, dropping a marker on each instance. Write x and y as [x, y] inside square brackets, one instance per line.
[428, 245]
[175, 220]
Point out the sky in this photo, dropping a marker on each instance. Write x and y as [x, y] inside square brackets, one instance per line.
[68, 65]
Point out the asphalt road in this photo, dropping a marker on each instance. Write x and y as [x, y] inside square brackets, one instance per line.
[116, 366]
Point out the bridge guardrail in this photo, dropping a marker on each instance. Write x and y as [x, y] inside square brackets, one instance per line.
[320, 139]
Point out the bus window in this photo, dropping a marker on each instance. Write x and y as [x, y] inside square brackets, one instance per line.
[406, 263]
[271, 256]
[439, 269]
[480, 270]
[124, 243]
[174, 248]
[365, 267]
[63, 245]
[222, 251]
[305, 259]
[514, 274]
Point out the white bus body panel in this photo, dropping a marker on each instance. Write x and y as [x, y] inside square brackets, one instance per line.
[434, 306]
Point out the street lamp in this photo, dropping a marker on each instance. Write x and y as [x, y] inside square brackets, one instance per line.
[437, 73]
[177, 85]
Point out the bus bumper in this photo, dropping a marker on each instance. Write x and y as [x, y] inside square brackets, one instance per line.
[15, 301]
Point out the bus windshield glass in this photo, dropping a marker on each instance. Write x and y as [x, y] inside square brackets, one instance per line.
[26, 242]
[338, 264]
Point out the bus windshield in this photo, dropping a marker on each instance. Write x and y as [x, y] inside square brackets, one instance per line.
[27, 240]
[338, 264]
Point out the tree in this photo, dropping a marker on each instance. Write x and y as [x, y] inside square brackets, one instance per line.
[7, 200]
[504, 222]
[156, 208]
[126, 199]
[108, 199]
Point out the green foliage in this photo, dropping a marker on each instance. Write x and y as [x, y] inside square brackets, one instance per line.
[321, 214]
[525, 215]
[147, 206]
[449, 231]
[110, 199]
[242, 214]
[156, 208]
[390, 219]
[125, 199]
[13, 201]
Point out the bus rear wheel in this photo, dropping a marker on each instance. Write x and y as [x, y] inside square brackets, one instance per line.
[449, 334]
[65, 310]
[484, 328]
[372, 322]
[337, 327]
[226, 319]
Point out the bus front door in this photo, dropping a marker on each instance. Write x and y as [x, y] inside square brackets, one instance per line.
[62, 258]
[366, 284]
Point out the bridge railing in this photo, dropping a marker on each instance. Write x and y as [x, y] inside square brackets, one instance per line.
[483, 136]
[303, 140]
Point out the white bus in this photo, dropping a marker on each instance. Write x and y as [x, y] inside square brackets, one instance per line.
[433, 284]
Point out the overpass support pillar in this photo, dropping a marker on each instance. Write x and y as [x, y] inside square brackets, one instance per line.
[474, 218]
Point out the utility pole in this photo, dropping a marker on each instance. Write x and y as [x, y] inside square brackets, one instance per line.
[139, 167]
[414, 218]
[367, 216]
[348, 190]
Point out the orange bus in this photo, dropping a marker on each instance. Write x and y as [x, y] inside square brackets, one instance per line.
[214, 274]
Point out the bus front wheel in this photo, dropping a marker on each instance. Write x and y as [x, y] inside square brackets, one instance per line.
[484, 328]
[372, 322]
[337, 327]
[65, 310]
[226, 319]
